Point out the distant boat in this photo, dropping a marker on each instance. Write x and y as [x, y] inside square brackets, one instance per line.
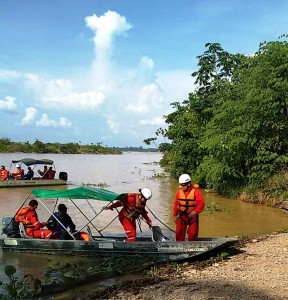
[153, 247]
[39, 178]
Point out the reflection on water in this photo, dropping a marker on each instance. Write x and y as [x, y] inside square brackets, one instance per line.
[128, 173]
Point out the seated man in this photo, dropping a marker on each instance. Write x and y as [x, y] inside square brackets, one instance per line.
[67, 222]
[29, 175]
[29, 218]
[44, 173]
[18, 174]
[3, 173]
[51, 173]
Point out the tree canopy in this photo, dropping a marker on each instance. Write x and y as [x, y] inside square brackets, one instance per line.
[232, 131]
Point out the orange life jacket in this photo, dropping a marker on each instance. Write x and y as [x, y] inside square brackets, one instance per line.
[18, 175]
[84, 236]
[4, 174]
[21, 215]
[186, 204]
[133, 211]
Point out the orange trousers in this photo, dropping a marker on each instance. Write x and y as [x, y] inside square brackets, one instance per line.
[40, 233]
[129, 226]
[181, 227]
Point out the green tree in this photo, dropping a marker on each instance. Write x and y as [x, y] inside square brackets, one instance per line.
[232, 131]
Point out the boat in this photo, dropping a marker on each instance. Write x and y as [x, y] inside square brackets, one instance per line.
[154, 246]
[38, 178]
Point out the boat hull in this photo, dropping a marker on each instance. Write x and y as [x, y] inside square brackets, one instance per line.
[110, 247]
[31, 183]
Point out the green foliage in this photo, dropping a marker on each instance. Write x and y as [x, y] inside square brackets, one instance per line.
[232, 131]
[16, 288]
[81, 270]
[6, 146]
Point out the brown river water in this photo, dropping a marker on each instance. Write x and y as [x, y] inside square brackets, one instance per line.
[127, 173]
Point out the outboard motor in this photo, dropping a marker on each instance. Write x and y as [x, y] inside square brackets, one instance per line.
[63, 176]
[10, 227]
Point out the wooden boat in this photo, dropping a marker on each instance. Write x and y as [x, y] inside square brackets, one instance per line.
[37, 180]
[153, 247]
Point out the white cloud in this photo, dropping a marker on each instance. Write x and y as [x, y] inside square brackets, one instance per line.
[112, 123]
[145, 73]
[59, 94]
[9, 105]
[104, 90]
[8, 74]
[105, 27]
[85, 101]
[154, 121]
[46, 122]
[149, 98]
[29, 116]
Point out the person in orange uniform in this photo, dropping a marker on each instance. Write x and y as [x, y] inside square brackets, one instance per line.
[188, 204]
[3, 173]
[133, 207]
[18, 174]
[33, 227]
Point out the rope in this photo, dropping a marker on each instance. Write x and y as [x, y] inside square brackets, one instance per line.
[159, 219]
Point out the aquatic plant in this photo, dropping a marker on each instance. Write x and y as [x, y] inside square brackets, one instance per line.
[101, 185]
[17, 288]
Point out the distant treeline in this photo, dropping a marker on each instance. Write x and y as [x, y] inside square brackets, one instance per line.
[7, 146]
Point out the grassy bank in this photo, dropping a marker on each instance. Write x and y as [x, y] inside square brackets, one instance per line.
[273, 193]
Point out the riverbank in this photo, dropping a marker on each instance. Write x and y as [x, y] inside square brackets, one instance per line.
[257, 272]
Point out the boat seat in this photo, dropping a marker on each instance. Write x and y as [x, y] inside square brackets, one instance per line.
[157, 235]
[23, 232]
[90, 233]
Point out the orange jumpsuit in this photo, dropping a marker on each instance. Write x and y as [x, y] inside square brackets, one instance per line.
[18, 174]
[133, 207]
[32, 225]
[194, 202]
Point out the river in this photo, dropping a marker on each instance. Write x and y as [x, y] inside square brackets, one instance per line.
[127, 173]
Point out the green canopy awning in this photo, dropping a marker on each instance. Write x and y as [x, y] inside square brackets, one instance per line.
[89, 193]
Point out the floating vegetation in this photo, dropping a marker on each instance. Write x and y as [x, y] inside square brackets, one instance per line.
[82, 270]
[214, 207]
[158, 176]
[100, 184]
[152, 163]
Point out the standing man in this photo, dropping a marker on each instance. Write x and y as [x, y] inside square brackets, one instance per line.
[188, 204]
[133, 206]
[3, 174]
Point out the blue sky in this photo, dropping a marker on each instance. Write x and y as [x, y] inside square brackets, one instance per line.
[106, 71]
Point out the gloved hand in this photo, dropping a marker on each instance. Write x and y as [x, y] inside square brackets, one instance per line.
[50, 224]
[106, 208]
[192, 214]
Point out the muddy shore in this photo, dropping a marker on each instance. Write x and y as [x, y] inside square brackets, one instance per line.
[257, 271]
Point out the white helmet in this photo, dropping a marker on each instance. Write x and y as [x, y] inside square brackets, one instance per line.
[184, 178]
[146, 193]
[17, 166]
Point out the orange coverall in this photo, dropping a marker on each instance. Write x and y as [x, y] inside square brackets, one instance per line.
[184, 220]
[130, 202]
[33, 226]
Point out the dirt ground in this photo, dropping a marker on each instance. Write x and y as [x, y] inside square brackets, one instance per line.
[259, 271]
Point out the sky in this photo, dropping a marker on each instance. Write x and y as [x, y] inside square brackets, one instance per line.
[106, 71]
